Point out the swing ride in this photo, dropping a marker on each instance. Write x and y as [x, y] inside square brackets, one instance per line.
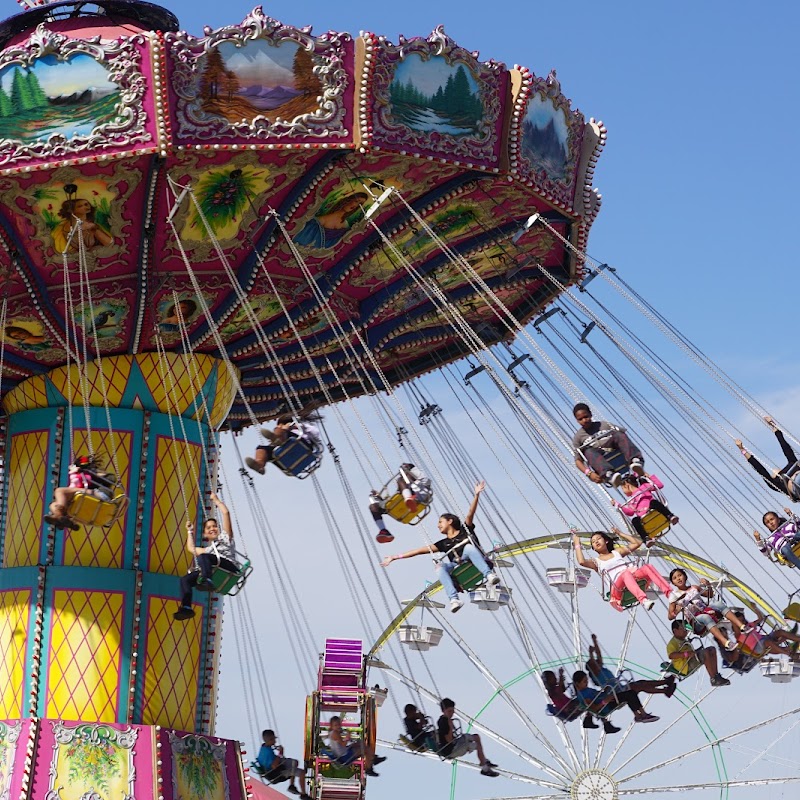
[197, 250]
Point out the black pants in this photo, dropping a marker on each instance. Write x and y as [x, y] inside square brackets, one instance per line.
[631, 699]
[778, 484]
[206, 562]
[655, 505]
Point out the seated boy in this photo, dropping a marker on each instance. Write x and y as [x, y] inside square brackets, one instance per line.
[455, 745]
[275, 768]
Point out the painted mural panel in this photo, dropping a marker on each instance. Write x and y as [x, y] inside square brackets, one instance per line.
[92, 760]
[545, 135]
[262, 79]
[9, 737]
[432, 95]
[49, 96]
[198, 767]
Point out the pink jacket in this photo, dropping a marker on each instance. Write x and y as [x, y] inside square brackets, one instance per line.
[79, 480]
[638, 504]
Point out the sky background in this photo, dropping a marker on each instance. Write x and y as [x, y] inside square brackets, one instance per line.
[698, 181]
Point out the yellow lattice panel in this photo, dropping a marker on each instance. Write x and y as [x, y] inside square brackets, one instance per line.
[172, 666]
[176, 382]
[31, 393]
[100, 547]
[73, 383]
[85, 655]
[225, 395]
[14, 617]
[27, 481]
[177, 471]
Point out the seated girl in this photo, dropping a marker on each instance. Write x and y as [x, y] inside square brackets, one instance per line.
[640, 494]
[302, 425]
[784, 534]
[615, 565]
[415, 489]
[87, 476]
[218, 552]
[346, 751]
[419, 729]
[699, 609]
[459, 544]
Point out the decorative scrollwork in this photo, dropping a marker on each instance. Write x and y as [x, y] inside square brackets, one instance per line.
[123, 60]
[328, 52]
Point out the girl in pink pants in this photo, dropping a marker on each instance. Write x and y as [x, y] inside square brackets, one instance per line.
[615, 565]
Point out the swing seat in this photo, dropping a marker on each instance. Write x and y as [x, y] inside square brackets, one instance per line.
[572, 711]
[97, 513]
[616, 460]
[781, 560]
[628, 600]
[792, 612]
[467, 576]
[397, 509]
[297, 458]
[258, 770]
[655, 524]
[226, 582]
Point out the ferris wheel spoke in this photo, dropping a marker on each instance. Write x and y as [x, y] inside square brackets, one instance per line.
[687, 787]
[501, 691]
[562, 732]
[501, 740]
[627, 732]
[705, 746]
[688, 710]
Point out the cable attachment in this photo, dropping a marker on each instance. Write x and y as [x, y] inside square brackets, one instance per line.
[428, 412]
[401, 432]
[334, 454]
[592, 274]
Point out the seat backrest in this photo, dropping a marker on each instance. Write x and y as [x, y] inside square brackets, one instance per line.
[296, 457]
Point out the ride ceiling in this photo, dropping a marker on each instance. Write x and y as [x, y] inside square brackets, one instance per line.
[285, 139]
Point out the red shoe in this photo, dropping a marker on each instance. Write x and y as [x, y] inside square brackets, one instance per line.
[412, 505]
[384, 537]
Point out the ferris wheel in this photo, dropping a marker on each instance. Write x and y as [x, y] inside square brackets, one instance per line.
[708, 742]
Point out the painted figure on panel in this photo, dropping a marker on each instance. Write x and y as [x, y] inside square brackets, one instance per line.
[259, 79]
[94, 233]
[172, 314]
[26, 334]
[544, 137]
[50, 96]
[432, 95]
[335, 216]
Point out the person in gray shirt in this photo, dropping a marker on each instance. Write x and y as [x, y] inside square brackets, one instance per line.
[600, 445]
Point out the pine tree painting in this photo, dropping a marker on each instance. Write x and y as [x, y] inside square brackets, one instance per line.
[433, 95]
[259, 79]
[69, 97]
[544, 137]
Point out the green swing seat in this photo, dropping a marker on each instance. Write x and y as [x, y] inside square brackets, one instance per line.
[628, 600]
[227, 582]
[469, 577]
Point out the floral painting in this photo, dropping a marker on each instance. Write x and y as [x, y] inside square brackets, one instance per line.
[198, 768]
[434, 95]
[544, 137]
[224, 196]
[9, 735]
[92, 760]
[53, 96]
[259, 79]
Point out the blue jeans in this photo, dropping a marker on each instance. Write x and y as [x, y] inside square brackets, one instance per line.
[469, 553]
[787, 552]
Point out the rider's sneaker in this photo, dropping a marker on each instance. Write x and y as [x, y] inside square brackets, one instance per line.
[455, 605]
[489, 772]
[718, 680]
[615, 479]
[637, 466]
[411, 504]
[384, 537]
[492, 579]
[648, 604]
[254, 465]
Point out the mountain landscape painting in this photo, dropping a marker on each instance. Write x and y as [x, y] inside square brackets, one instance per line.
[50, 96]
[259, 79]
[544, 137]
[436, 96]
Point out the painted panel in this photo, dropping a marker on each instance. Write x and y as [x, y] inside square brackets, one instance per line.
[14, 737]
[27, 475]
[85, 654]
[174, 485]
[172, 664]
[14, 622]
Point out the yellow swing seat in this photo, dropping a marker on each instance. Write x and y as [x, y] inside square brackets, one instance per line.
[96, 513]
[655, 524]
[781, 560]
[397, 509]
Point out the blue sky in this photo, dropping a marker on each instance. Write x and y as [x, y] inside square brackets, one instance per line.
[698, 182]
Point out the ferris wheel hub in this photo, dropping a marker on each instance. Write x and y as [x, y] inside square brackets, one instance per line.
[594, 784]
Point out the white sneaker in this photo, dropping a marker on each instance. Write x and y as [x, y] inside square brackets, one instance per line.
[648, 604]
[455, 605]
[675, 595]
[616, 479]
[637, 468]
[492, 579]
[731, 644]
